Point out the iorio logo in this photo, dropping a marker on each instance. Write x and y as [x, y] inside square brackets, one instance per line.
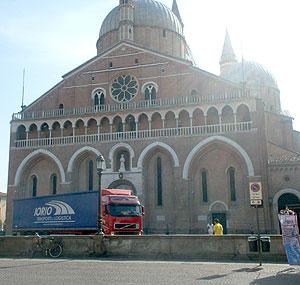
[60, 207]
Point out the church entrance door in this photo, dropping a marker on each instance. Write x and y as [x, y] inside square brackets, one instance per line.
[292, 202]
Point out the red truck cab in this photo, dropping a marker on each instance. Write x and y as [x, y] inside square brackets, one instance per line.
[121, 212]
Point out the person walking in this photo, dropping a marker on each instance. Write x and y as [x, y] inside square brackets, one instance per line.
[218, 228]
[210, 229]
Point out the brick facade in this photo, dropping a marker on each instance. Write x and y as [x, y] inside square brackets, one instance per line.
[198, 121]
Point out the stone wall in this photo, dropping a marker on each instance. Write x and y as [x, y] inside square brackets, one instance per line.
[158, 247]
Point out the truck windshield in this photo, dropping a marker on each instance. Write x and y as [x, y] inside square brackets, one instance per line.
[121, 210]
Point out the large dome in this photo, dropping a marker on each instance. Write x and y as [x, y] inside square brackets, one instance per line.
[146, 13]
[253, 73]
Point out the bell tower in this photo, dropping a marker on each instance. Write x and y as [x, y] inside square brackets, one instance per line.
[126, 9]
[228, 57]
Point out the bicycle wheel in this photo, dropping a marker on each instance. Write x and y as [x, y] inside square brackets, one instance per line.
[55, 250]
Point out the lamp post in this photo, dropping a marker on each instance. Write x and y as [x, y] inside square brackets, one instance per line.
[99, 163]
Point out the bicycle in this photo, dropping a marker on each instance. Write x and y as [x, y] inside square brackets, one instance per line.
[49, 245]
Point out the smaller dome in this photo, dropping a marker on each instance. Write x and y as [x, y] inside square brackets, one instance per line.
[253, 73]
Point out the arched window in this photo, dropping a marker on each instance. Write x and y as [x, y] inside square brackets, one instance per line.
[68, 129]
[91, 175]
[159, 181]
[130, 125]
[231, 183]
[150, 91]
[53, 181]
[34, 185]
[61, 109]
[204, 185]
[44, 131]
[99, 97]
[243, 114]
[212, 117]
[21, 133]
[96, 100]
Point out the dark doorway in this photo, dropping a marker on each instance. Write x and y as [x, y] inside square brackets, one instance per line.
[222, 218]
[292, 202]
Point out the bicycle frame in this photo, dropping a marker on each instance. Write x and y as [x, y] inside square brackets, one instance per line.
[49, 245]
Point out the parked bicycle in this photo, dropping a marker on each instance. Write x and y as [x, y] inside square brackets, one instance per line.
[49, 245]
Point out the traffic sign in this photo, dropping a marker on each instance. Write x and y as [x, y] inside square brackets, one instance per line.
[255, 191]
[255, 202]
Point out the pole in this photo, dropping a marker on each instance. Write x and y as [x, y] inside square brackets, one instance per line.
[23, 90]
[99, 172]
[258, 236]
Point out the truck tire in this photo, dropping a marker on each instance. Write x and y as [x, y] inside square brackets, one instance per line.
[55, 250]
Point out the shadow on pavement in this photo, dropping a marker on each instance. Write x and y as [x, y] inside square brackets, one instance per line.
[32, 264]
[284, 279]
[211, 277]
[290, 276]
[247, 269]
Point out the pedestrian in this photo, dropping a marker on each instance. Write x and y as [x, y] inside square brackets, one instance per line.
[210, 229]
[218, 228]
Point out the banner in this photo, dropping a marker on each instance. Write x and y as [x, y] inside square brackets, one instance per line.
[290, 237]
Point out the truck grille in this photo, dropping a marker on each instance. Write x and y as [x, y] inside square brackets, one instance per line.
[126, 226]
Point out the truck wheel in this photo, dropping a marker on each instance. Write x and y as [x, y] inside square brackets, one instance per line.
[55, 250]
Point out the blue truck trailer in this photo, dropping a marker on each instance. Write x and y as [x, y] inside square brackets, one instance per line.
[65, 213]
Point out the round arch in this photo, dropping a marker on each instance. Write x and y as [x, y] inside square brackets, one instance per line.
[79, 152]
[115, 184]
[158, 144]
[218, 202]
[275, 203]
[228, 141]
[33, 155]
[284, 191]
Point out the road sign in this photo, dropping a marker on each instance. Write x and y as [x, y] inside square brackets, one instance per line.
[255, 191]
[255, 202]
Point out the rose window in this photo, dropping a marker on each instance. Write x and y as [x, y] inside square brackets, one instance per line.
[124, 88]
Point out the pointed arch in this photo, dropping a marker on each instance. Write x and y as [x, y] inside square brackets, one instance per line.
[78, 153]
[117, 146]
[226, 140]
[21, 132]
[184, 118]
[158, 144]
[156, 121]
[33, 155]
[143, 122]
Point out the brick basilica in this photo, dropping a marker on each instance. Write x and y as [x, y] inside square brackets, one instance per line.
[186, 141]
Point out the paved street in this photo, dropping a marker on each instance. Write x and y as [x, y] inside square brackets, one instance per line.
[61, 272]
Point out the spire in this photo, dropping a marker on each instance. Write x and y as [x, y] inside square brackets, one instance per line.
[175, 10]
[228, 55]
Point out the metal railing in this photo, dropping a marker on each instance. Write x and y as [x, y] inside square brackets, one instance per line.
[137, 135]
[146, 104]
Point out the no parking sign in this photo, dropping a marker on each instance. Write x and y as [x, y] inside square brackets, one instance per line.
[255, 190]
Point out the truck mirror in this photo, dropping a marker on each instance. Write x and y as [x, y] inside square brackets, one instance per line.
[143, 210]
[106, 210]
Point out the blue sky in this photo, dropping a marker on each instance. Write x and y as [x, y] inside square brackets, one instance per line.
[50, 38]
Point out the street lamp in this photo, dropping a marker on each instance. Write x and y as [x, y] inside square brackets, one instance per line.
[99, 163]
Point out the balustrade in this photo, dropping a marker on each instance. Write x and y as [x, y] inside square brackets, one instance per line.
[137, 135]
